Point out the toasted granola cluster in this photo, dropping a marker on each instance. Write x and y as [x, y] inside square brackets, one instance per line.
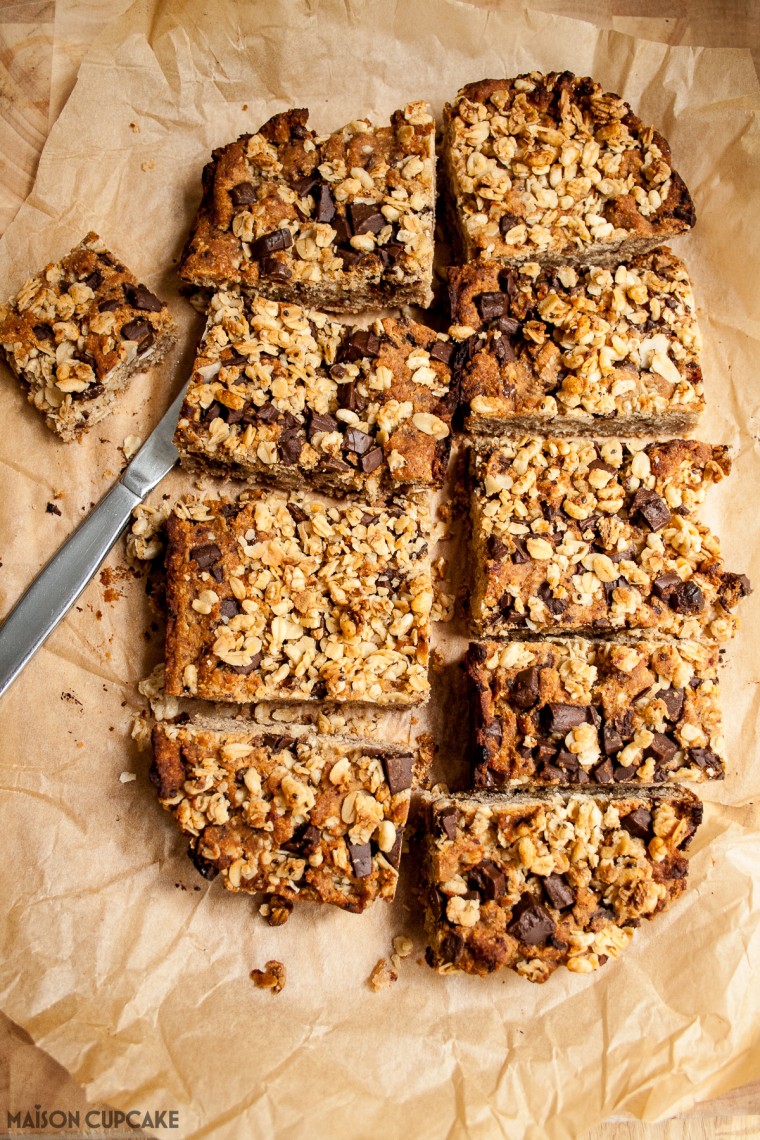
[75, 333]
[276, 599]
[614, 349]
[293, 815]
[533, 883]
[552, 168]
[286, 394]
[340, 221]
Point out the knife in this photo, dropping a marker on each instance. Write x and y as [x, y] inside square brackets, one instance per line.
[58, 586]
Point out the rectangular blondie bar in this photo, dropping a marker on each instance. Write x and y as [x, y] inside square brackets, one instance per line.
[342, 221]
[296, 816]
[276, 599]
[579, 712]
[577, 536]
[610, 351]
[75, 333]
[535, 881]
[286, 395]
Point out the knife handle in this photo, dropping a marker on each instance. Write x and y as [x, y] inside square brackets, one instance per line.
[58, 586]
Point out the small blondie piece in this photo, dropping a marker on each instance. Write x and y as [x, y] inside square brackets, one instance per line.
[577, 536]
[342, 221]
[286, 395]
[552, 169]
[74, 334]
[580, 712]
[296, 816]
[535, 881]
[610, 351]
[279, 599]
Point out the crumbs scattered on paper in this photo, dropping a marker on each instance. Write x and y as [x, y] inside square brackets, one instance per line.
[382, 976]
[131, 445]
[271, 978]
[127, 777]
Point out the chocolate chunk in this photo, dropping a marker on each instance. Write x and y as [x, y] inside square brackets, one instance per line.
[365, 218]
[398, 772]
[488, 880]
[531, 923]
[306, 184]
[290, 447]
[205, 555]
[507, 222]
[297, 515]
[372, 460]
[93, 280]
[267, 414]
[651, 508]
[491, 305]
[342, 232]
[602, 773]
[394, 855]
[319, 423]
[52, 509]
[271, 243]
[43, 332]
[204, 866]
[361, 343]
[447, 823]
[638, 823]
[274, 269]
[361, 859]
[357, 441]
[230, 608]
[109, 306]
[673, 700]
[244, 194]
[278, 742]
[520, 552]
[324, 204]
[733, 587]
[305, 840]
[332, 463]
[140, 297]
[244, 670]
[706, 758]
[546, 754]
[525, 688]
[559, 718]
[687, 598]
[136, 330]
[558, 892]
[504, 350]
[555, 606]
[623, 723]
[442, 350]
[662, 748]
[496, 549]
[624, 772]
[664, 586]
[612, 741]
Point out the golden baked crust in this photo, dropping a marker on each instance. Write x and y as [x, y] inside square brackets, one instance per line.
[342, 221]
[551, 169]
[580, 712]
[286, 395]
[535, 881]
[75, 333]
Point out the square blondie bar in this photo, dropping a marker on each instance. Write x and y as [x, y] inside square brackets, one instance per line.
[579, 712]
[610, 351]
[75, 333]
[342, 221]
[279, 599]
[535, 881]
[288, 396]
[577, 536]
[296, 816]
[552, 169]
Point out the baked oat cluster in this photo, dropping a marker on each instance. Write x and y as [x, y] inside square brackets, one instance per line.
[553, 169]
[577, 536]
[297, 600]
[295, 816]
[612, 350]
[76, 332]
[584, 712]
[287, 395]
[341, 221]
[532, 882]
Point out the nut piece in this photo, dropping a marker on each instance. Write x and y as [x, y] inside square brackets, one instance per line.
[272, 978]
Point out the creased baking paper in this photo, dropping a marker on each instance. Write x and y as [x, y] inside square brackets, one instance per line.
[117, 958]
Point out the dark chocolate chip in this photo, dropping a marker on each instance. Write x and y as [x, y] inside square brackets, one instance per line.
[372, 460]
[357, 441]
[394, 855]
[244, 194]
[638, 823]
[508, 222]
[136, 330]
[319, 423]
[662, 748]
[612, 741]
[525, 688]
[290, 447]
[206, 868]
[651, 508]
[520, 552]
[205, 555]
[496, 549]
[555, 606]
[324, 204]
[558, 892]
[442, 350]
[271, 243]
[361, 343]
[623, 723]
[229, 608]
[332, 463]
[109, 306]
[504, 350]
[491, 305]
[43, 332]
[664, 586]
[687, 598]
[398, 772]
[706, 758]
[304, 840]
[673, 700]
[93, 280]
[603, 772]
[244, 670]
[297, 515]
[274, 269]
[488, 880]
[531, 923]
[365, 218]
[447, 823]
[361, 859]
[140, 297]
[624, 772]
[559, 718]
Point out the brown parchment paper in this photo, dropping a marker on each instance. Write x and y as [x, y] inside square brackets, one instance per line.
[117, 958]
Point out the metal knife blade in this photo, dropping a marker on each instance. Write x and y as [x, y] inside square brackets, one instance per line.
[57, 587]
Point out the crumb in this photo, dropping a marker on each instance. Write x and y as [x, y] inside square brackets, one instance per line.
[134, 127]
[147, 165]
[276, 911]
[245, 106]
[402, 946]
[131, 445]
[437, 661]
[52, 509]
[443, 604]
[271, 978]
[127, 777]
[382, 976]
